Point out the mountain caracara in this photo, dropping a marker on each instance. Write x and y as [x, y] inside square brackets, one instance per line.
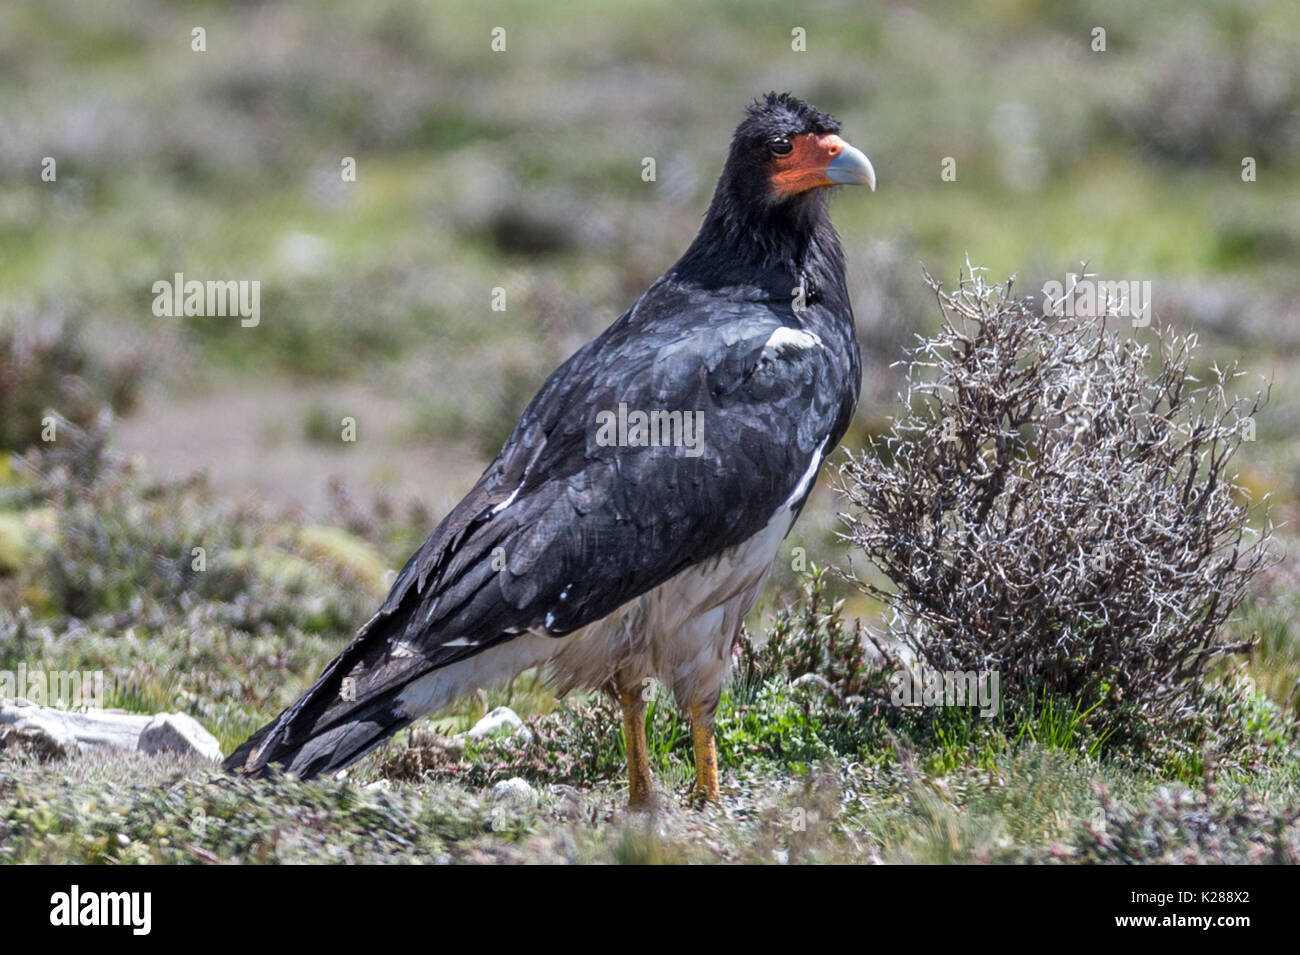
[611, 555]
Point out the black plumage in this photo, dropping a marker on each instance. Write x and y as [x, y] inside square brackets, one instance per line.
[752, 327]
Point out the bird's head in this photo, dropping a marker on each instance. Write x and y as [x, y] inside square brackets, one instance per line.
[769, 208]
[786, 151]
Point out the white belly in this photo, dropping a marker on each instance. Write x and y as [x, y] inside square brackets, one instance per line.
[680, 633]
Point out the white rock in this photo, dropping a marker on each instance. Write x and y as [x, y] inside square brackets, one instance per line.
[179, 733]
[72, 729]
[514, 790]
[503, 721]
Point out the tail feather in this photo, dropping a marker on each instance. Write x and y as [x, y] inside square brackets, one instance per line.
[326, 729]
[322, 732]
[335, 748]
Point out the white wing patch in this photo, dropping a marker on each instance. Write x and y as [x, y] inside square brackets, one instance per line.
[805, 482]
[507, 502]
[785, 342]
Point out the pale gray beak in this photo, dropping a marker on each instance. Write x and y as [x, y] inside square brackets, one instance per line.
[851, 168]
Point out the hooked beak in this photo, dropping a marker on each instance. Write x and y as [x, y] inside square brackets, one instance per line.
[851, 168]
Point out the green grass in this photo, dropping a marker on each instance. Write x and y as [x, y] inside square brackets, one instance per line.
[1028, 806]
[1060, 726]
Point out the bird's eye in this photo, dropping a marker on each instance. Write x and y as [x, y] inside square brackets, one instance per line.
[779, 146]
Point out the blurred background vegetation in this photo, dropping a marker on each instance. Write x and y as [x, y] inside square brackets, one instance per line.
[522, 169]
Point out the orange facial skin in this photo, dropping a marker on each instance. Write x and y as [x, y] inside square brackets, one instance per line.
[805, 167]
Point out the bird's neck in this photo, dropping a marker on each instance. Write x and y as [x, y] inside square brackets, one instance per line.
[776, 249]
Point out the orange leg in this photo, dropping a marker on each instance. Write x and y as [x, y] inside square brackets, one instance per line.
[706, 755]
[638, 753]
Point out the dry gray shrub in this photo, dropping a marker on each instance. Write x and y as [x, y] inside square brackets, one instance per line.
[1056, 503]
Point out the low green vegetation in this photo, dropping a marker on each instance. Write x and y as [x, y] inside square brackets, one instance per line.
[818, 764]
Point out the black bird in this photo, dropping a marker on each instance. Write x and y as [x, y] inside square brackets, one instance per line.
[629, 522]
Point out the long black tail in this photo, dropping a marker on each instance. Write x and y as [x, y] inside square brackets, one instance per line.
[336, 748]
[324, 731]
